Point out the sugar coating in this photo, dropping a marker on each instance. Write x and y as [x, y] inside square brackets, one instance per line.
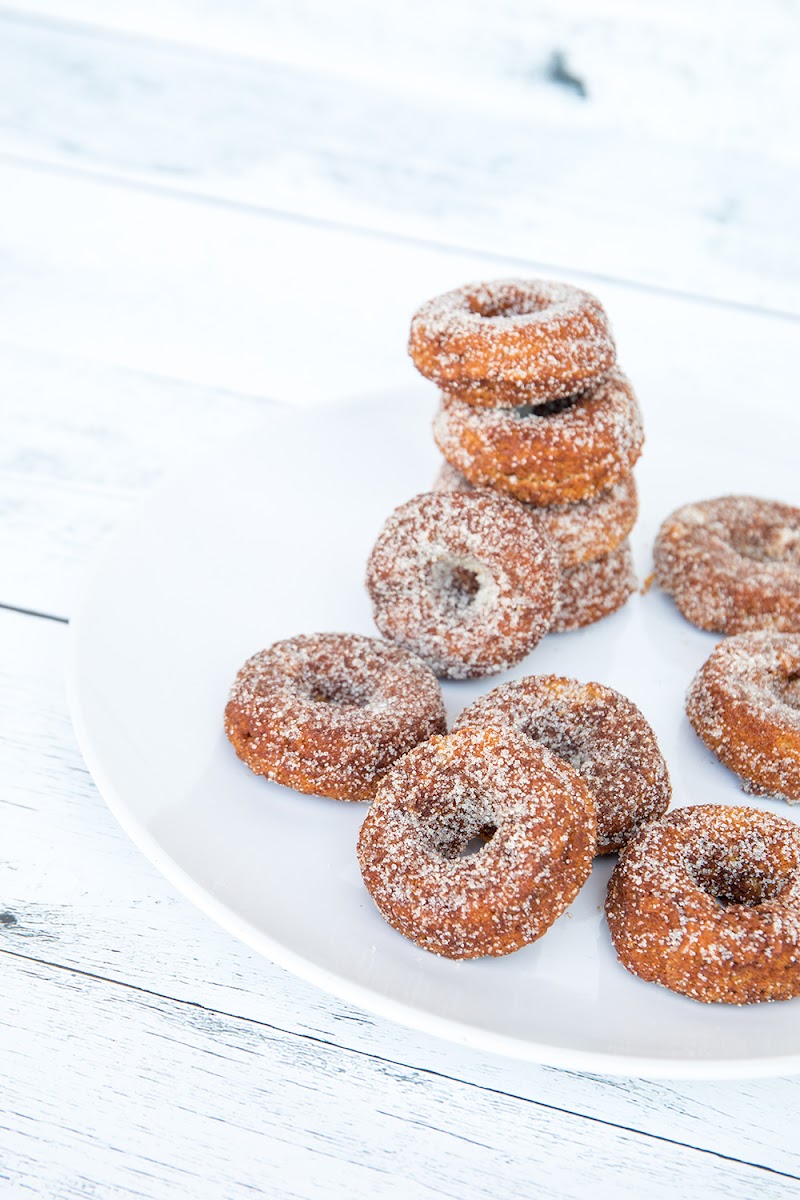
[744, 703]
[583, 448]
[531, 338]
[329, 713]
[600, 733]
[580, 532]
[594, 590]
[733, 564]
[532, 811]
[707, 903]
[465, 580]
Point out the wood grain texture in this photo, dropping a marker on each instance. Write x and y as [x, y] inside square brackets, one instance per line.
[510, 162]
[677, 59]
[266, 1108]
[154, 299]
[78, 895]
[82, 437]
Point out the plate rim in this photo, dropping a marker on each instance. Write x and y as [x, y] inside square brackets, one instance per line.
[614, 1064]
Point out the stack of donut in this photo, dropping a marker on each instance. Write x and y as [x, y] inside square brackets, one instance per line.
[525, 530]
[532, 406]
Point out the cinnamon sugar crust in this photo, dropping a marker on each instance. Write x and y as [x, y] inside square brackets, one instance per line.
[551, 454]
[706, 902]
[512, 341]
[594, 590]
[600, 733]
[581, 532]
[464, 580]
[329, 713]
[532, 814]
[733, 564]
[744, 703]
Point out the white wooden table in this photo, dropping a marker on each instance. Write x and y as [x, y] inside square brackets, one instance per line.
[205, 209]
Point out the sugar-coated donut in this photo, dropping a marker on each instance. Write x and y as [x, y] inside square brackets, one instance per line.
[744, 703]
[707, 903]
[513, 341]
[733, 564]
[465, 580]
[534, 815]
[600, 733]
[594, 590]
[556, 453]
[329, 713]
[580, 532]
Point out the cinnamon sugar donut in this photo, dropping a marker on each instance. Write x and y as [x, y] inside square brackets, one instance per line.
[329, 713]
[597, 731]
[580, 532]
[594, 590]
[744, 703]
[513, 341]
[733, 564]
[531, 810]
[707, 903]
[465, 580]
[556, 453]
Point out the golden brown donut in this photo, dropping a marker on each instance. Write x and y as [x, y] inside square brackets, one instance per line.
[707, 903]
[534, 815]
[465, 580]
[513, 341]
[744, 703]
[329, 713]
[594, 590]
[580, 532]
[733, 564]
[553, 454]
[597, 731]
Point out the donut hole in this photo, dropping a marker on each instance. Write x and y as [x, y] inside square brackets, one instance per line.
[569, 742]
[458, 823]
[506, 303]
[478, 841]
[775, 543]
[459, 585]
[787, 688]
[345, 693]
[730, 877]
[550, 408]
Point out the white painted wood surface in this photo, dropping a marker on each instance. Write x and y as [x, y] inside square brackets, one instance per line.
[192, 195]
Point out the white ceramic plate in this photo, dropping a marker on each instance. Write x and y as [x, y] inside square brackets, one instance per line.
[269, 539]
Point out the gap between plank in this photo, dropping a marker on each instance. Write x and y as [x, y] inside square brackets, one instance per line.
[365, 1054]
[34, 612]
[245, 208]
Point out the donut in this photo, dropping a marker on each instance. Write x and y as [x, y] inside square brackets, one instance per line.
[597, 731]
[556, 453]
[707, 903]
[514, 341]
[733, 564]
[580, 532]
[329, 713]
[536, 825]
[594, 590]
[463, 579]
[744, 703]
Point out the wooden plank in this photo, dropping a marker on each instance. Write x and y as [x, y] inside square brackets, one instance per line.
[80, 442]
[215, 298]
[77, 894]
[160, 312]
[675, 58]
[104, 1087]
[541, 176]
